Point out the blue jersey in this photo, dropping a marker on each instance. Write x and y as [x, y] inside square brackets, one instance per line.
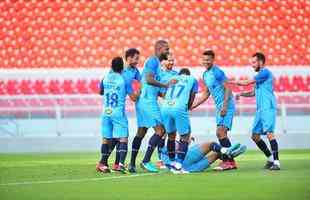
[166, 76]
[132, 73]
[265, 98]
[177, 95]
[149, 93]
[116, 87]
[214, 79]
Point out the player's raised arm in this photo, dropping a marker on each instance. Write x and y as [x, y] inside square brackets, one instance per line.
[204, 96]
[193, 95]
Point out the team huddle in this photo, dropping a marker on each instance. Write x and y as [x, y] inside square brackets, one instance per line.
[164, 102]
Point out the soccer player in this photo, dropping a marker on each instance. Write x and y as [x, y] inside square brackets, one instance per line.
[266, 110]
[166, 74]
[131, 73]
[200, 156]
[215, 83]
[114, 88]
[177, 101]
[148, 112]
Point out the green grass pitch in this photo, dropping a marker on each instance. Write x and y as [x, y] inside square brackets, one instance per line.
[73, 176]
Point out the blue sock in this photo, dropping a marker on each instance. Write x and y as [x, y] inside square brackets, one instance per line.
[136, 143]
[225, 143]
[122, 149]
[183, 147]
[171, 149]
[104, 154]
[161, 145]
[215, 147]
[153, 142]
[274, 148]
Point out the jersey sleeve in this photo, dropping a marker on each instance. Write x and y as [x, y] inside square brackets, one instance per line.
[128, 86]
[195, 86]
[262, 76]
[220, 75]
[137, 75]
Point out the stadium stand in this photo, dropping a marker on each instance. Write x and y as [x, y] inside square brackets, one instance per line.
[294, 83]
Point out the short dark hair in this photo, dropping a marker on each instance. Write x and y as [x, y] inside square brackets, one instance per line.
[260, 56]
[117, 64]
[131, 52]
[209, 53]
[184, 71]
[160, 43]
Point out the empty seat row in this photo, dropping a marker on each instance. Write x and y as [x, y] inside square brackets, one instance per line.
[91, 86]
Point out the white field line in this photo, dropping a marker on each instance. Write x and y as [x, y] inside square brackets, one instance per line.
[75, 180]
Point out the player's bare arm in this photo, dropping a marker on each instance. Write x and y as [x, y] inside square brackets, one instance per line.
[150, 80]
[227, 94]
[242, 82]
[191, 99]
[134, 96]
[246, 94]
[204, 96]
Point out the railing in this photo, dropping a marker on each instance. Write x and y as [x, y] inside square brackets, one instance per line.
[62, 110]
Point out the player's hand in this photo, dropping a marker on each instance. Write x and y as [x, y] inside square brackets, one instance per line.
[223, 111]
[172, 82]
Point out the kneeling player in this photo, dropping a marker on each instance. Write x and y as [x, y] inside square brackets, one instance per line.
[177, 100]
[114, 89]
[200, 156]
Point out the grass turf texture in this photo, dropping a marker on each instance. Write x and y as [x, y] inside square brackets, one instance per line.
[73, 176]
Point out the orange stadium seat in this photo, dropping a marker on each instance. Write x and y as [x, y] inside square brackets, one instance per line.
[295, 83]
[57, 34]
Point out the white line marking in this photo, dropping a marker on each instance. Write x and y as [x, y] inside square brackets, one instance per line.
[76, 180]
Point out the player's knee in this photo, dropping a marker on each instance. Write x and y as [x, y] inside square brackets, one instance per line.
[123, 140]
[141, 132]
[105, 141]
[172, 136]
[159, 130]
[270, 136]
[255, 137]
[221, 132]
[185, 138]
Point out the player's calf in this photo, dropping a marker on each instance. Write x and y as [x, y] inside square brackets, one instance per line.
[274, 147]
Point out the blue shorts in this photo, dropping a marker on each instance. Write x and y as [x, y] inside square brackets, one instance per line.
[114, 127]
[264, 122]
[225, 121]
[176, 120]
[195, 160]
[193, 155]
[148, 115]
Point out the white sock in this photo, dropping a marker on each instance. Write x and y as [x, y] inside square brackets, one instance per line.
[270, 159]
[277, 162]
[224, 150]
